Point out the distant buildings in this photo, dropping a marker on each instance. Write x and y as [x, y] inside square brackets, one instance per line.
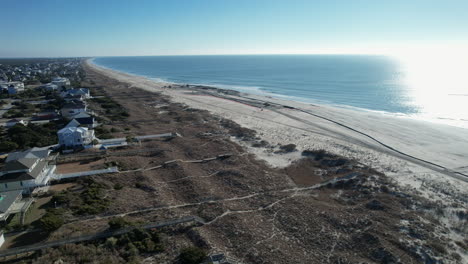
[82, 92]
[12, 87]
[61, 82]
[73, 108]
[50, 87]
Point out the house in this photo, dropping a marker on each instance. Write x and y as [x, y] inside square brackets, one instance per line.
[74, 98]
[11, 202]
[73, 136]
[73, 108]
[12, 87]
[50, 87]
[61, 82]
[76, 92]
[47, 115]
[85, 120]
[34, 153]
[13, 122]
[26, 170]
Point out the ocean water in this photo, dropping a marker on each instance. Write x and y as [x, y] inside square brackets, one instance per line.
[368, 83]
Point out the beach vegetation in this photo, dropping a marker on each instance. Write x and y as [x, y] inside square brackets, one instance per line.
[30, 136]
[91, 200]
[192, 255]
[52, 220]
[118, 223]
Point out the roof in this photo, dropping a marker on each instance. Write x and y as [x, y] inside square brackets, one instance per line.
[20, 164]
[72, 130]
[81, 115]
[7, 199]
[85, 120]
[74, 105]
[24, 176]
[14, 120]
[39, 153]
[73, 123]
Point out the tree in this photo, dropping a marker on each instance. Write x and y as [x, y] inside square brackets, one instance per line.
[7, 146]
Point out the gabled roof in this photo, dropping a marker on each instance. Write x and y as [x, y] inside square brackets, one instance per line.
[20, 164]
[74, 105]
[66, 130]
[73, 123]
[7, 199]
[14, 120]
[81, 115]
[38, 153]
[85, 120]
[24, 176]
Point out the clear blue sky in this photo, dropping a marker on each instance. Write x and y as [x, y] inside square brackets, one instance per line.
[155, 27]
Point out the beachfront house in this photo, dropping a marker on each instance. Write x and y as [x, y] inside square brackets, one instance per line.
[72, 136]
[85, 120]
[26, 170]
[82, 92]
[61, 82]
[73, 108]
[11, 203]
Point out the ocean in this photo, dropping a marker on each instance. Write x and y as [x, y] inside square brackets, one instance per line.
[361, 82]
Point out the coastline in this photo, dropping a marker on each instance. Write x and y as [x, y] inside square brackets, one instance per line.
[404, 149]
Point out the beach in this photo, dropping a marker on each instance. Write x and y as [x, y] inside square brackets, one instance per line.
[429, 158]
[275, 190]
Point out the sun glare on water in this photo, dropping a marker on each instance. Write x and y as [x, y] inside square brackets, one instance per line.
[436, 82]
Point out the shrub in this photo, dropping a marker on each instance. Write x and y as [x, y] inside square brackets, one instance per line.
[118, 223]
[52, 220]
[118, 186]
[288, 148]
[192, 255]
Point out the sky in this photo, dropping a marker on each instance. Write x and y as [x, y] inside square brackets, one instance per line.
[59, 28]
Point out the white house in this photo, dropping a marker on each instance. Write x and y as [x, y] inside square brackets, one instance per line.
[76, 92]
[61, 82]
[13, 122]
[26, 170]
[12, 87]
[73, 137]
[50, 87]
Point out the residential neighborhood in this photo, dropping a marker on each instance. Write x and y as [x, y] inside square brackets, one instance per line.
[47, 121]
[42, 116]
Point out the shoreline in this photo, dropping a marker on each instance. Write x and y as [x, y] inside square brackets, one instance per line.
[256, 90]
[328, 128]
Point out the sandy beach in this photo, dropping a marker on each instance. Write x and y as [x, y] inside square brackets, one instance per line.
[428, 158]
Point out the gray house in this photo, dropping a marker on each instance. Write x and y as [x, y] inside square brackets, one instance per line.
[26, 170]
